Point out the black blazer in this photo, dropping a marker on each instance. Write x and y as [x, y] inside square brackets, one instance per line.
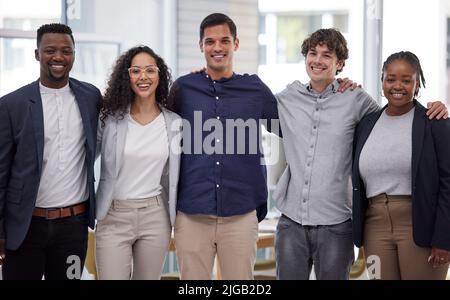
[21, 154]
[430, 179]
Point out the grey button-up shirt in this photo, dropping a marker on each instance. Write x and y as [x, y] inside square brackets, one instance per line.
[318, 138]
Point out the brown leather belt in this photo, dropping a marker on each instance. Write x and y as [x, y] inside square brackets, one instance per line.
[60, 212]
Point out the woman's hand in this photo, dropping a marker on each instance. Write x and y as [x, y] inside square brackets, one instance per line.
[195, 71]
[438, 257]
[2, 251]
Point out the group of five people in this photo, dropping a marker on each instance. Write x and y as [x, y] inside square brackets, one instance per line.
[163, 166]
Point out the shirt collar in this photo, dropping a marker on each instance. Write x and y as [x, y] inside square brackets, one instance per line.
[47, 90]
[332, 88]
[221, 80]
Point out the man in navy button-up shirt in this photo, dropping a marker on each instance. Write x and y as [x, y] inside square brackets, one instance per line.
[222, 188]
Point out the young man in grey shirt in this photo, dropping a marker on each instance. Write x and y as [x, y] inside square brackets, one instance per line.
[318, 123]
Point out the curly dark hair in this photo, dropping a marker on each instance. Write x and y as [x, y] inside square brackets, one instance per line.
[119, 95]
[334, 40]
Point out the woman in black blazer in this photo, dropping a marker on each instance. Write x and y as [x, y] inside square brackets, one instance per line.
[401, 181]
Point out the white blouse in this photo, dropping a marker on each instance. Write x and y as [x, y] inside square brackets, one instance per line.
[145, 156]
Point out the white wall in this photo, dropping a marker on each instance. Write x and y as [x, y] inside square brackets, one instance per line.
[38, 9]
[131, 22]
[191, 13]
[447, 7]
[421, 28]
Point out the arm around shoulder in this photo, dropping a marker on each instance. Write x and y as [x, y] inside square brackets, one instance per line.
[364, 104]
[172, 103]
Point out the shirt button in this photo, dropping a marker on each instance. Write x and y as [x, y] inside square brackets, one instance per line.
[315, 127]
[306, 182]
[218, 118]
[217, 186]
[317, 109]
[308, 165]
[207, 76]
[217, 98]
[218, 163]
[304, 200]
[214, 81]
[312, 146]
[218, 140]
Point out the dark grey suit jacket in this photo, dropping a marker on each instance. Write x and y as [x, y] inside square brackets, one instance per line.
[21, 154]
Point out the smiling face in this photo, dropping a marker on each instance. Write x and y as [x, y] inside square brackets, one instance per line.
[145, 82]
[322, 66]
[218, 46]
[56, 55]
[400, 85]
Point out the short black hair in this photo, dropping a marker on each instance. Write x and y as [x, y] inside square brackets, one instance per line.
[330, 37]
[217, 19]
[53, 28]
[413, 61]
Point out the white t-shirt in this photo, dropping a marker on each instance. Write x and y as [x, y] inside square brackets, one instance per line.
[144, 160]
[385, 161]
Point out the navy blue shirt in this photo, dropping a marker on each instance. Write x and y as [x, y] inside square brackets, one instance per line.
[222, 171]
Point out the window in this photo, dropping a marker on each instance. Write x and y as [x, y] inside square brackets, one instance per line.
[340, 21]
[17, 63]
[28, 14]
[291, 31]
[19, 20]
[93, 62]
[288, 31]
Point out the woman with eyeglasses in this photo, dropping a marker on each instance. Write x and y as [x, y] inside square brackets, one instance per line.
[139, 142]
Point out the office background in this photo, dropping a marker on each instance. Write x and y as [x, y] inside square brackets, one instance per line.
[270, 32]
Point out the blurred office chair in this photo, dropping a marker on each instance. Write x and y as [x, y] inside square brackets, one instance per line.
[171, 275]
[90, 255]
[265, 268]
[359, 266]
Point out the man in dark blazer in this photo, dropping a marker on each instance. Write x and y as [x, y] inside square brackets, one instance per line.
[47, 149]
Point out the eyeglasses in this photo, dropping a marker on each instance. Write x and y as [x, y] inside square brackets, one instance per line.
[150, 71]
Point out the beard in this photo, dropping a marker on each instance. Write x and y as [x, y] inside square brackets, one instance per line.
[57, 78]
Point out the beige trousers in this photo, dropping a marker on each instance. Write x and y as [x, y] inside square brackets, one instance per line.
[132, 240]
[199, 238]
[388, 236]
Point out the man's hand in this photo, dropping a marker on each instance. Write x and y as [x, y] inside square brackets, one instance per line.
[2, 251]
[437, 110]
[345, 84]
[438, 257]
[198, 70]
